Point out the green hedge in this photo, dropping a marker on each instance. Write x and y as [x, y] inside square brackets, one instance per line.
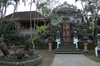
[90, 46]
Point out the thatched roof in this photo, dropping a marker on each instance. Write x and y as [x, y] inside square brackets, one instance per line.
[26, 16]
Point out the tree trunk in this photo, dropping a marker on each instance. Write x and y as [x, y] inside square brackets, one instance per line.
[14, 10]
[31, 18]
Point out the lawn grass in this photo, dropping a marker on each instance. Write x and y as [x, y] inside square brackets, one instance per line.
[47, 56]
[91, 55]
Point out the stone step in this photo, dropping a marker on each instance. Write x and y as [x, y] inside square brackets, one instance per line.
[67, 48]
[66, 44]
[68, 52]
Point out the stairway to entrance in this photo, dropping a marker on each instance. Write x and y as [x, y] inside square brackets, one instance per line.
[67, 48]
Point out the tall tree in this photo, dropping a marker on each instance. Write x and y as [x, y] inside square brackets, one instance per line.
[15, 7]
[91, 8]
[42, 6]
[46, 7]
[3, 6]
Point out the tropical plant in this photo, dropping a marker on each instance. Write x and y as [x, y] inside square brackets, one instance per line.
[37, 34]
[41, 28]
[10, 31]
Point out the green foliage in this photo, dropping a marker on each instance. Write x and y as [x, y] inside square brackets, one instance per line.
[89, 30]
[4, 1]
[41, 5]
[98, 30]
[67, 8]
[91, 7]
[36, 37]
[37, 42]
[22, 39]
[45, 7]
[46, 11]
[41, 28]
[40, 44]
[55, 18]
[90, 45]
[10, 31]
[63, 9]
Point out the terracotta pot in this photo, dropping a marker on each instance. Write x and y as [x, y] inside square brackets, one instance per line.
[31, 53]
[20, 54]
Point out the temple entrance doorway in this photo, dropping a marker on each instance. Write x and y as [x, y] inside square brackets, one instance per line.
[66, 31]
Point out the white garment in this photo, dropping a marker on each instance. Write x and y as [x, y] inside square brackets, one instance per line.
[58, 42]
[96, 51]
[75, 41]
[97, 48]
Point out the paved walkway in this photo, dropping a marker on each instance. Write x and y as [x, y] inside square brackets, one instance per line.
[73, 60]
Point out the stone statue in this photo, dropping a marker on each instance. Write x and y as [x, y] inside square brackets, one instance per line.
[4, 49]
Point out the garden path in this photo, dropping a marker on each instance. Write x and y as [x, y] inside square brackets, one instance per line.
[73, 60]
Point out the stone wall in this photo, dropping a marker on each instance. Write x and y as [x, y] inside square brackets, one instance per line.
[25, 63]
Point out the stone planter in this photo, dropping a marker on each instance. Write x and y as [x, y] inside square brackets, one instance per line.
[24, 63]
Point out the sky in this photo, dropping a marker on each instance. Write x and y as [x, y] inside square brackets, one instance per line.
[21, 7]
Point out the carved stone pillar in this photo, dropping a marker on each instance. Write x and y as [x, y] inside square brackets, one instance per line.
[85, 47]
[50, 46]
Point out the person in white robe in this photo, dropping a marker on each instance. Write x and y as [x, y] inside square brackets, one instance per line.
[75, 41]
[97, 48]
[58, 40]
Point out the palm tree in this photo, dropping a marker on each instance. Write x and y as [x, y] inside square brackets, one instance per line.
[3, 6]
[31, 18]
[15, 7]
[31, 25]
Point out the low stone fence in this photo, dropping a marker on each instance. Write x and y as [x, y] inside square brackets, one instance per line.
[24, 63]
